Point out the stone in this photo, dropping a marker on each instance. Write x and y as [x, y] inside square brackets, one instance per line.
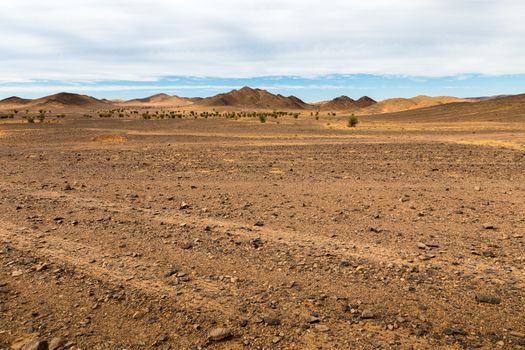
[32, 344]
[368, 314]
[322, 328]
[454, 331]
[313, 319]
[488, 299]
[184, 205]
[57, 343]
[17, 273]
[220, 333]
[271, 321]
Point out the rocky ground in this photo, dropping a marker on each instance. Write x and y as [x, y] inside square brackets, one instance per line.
[215, 234]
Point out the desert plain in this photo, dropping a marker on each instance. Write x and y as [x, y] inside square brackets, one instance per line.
[404, 232]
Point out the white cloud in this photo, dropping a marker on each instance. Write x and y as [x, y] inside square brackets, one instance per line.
[137, 40]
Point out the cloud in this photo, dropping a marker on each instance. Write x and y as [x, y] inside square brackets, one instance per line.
[143, 40]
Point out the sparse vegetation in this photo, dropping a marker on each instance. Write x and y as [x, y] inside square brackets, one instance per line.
[352, 121]
[262, 118]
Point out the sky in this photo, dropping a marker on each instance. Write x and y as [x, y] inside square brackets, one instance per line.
[312, 49]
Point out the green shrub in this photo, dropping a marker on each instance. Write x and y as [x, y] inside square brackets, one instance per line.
[352, 121]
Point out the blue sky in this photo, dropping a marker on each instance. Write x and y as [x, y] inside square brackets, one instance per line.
[309, 48]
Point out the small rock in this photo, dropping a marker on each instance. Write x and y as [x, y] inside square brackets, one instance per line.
[34, 344]
[344, 263]
[17, 273]
[313, 319]
[187, 246]
[322, 328]
[488, 299]
[218, 334]
[271, 321]
[368, 314]
[454, 331]
[57, 343]
[41, 267]
[422, 245]
[489, 227]
[184, 205]
[259, 223]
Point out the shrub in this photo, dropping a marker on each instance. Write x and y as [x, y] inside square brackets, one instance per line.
[30, 120]
[262, 118]
[352, 121]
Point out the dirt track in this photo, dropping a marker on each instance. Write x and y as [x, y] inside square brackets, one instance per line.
[291, 235]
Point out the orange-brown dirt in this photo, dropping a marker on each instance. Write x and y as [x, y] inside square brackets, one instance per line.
[292, 234]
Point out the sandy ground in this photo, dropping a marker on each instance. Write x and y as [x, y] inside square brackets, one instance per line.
[221, 234]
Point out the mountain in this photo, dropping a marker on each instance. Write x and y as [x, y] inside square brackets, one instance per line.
[365, 101]
[504, 109]
[65, 99]
[13, 102]
[340, 103]
[159, 100]
[393, 105]
[61, 100]
[345, 103]
[253, 98]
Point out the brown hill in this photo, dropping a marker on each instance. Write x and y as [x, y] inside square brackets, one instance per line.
[345, 103]
[65, 99]
[393, 105]
[159, 100]
[253, 98]
[340, 103]
[61, 100]
[505, 109]
[13, 102]
[365, 101]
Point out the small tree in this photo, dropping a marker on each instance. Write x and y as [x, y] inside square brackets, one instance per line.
[352, 121]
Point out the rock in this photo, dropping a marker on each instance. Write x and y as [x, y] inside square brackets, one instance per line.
[488, 299]
[368, 314]
[218, 334]
[30, 344]
[68, 187]
[41, 267]
[184, 205]
[422, 245]
[313, 319]
[322, 328]
[454, 331]
[344, 263]
[17, 273]
[259, 223]
[271, 321]
[488, 254]
[57, 343]
[187, 246]
[489, 227]
[256, 242]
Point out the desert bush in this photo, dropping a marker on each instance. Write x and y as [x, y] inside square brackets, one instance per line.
[30, 120]
[352, 121]
[262, 118]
